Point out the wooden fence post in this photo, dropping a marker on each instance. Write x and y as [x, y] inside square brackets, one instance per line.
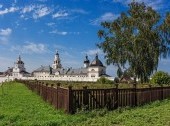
[134, 95]
[105, 99]
[58, 86]
[37, 86]
[162, 92]
[40, 85]
[116, 102]
[85, 97]
[46, 92]
[52, 94]
[150, 86]
[70, 100]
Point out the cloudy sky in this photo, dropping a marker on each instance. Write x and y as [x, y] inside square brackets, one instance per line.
[35, 29]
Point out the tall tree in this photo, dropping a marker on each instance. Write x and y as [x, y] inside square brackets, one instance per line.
[138, 38]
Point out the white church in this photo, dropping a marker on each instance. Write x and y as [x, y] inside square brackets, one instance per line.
[91, 71]
[16, 72]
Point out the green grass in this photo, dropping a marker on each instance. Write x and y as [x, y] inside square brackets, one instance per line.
[21, 107]
[156, 114]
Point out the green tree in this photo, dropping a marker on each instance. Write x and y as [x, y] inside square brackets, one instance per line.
[160, 78]
[138, 38]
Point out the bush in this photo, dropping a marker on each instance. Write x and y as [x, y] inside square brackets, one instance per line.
[116, 80]
[104, 80]
[160, 78]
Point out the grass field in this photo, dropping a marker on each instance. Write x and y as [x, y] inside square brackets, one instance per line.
[21, 107]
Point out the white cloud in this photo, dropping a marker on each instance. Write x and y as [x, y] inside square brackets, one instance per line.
[59, 47]
[93, 52]
[81, 11]
[50, 24]
[4, 35]
[5, 32]
[105, 17]
[59, 32]
[156, 4]
[60, 14]
[30, 47]
[41, 12]
[8, 10]
[27, 9]
[37, 11]
[3, 40]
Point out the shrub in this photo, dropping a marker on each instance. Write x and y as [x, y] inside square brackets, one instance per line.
[160, 78]
[116, 80]
[104, 80]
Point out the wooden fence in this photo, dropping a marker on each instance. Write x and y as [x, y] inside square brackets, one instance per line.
[70, 100]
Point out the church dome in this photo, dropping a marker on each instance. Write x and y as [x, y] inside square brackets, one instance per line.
[19, 61]
[57, 53]
[96, 62]
[86, 60]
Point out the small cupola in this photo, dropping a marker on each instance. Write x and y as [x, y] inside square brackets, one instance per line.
[86, 62]
[19, 61]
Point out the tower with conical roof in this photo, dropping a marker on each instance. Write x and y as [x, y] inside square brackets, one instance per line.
[19, 68]
[19, 64]
[86, 62]
[96, 68]
[57, 61]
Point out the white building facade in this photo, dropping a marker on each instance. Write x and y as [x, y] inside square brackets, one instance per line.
[19, 70]
[89, 72]
[16, 72]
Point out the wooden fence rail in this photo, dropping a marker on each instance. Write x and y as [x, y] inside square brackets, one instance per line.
[70, 100]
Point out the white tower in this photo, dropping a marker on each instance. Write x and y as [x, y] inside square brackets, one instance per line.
[18, 68]
[57, 61]
[96, 68]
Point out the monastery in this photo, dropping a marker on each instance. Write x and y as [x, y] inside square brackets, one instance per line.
[91, 71]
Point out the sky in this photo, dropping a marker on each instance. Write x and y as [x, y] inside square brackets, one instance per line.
[35, 29]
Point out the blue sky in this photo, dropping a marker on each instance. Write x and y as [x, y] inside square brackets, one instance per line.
[35, 29]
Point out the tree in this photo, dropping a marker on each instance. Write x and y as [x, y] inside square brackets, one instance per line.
[138, 37]
[160, 78]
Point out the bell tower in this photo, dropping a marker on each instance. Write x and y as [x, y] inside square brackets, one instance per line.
[18, 68]
[57, 61]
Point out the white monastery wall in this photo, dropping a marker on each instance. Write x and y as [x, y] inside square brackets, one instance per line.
[6, 78]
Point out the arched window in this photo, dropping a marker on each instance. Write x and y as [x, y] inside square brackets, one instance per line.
[92, 70]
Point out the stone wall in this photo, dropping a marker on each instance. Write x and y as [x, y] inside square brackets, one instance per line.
[81, 79]
[3, 79]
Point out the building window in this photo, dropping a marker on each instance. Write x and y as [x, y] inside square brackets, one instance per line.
[92, 75]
